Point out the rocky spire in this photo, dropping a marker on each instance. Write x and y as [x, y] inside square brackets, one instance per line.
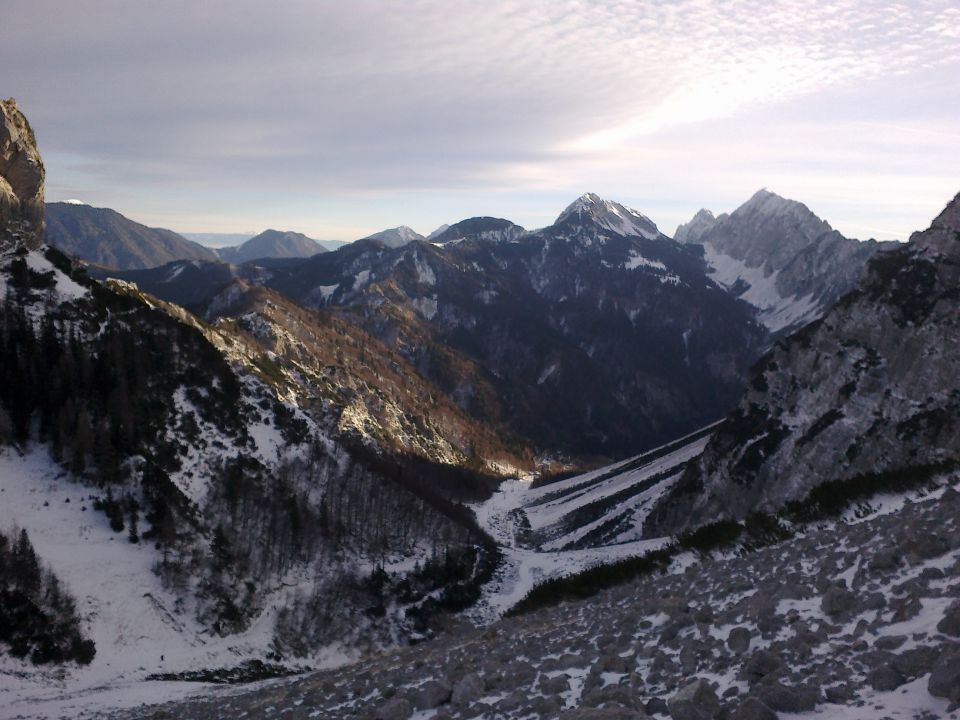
[21, 180]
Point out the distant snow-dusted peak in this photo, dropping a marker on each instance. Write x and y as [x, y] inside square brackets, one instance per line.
[439, 231]
[767, 204]
[692, 231]
[609, 215]
[396, 237]
[74, 201]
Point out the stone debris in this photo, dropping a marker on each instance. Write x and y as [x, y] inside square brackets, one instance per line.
[781, 630]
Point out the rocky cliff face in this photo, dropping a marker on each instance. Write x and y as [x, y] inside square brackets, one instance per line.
[872, 387]
[21, 180]
[777, 255]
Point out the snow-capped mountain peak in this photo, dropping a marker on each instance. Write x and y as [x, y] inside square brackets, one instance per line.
[765, 204]
[609, 215]
[396, 237]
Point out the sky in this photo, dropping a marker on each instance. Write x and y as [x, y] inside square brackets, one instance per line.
[341, 119]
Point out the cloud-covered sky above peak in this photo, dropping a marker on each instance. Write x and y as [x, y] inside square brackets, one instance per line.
[342, 119]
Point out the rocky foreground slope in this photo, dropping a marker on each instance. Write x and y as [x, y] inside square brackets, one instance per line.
[858, 618]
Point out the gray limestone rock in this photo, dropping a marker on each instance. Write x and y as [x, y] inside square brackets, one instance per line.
[753, 709]
[838, 600]
[945, 678]
[761, 664]
[394, 709]
[431, 694]
[469, 688]
[694, 701]
[885, 678]
[950, 623]
[781, 698]
[21, 180]
[739, 640]
[917, 661]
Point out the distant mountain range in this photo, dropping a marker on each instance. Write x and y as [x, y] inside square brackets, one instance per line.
[271, 244]
[104, 237]
[643, 337]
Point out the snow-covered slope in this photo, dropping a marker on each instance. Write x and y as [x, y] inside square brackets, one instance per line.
[564, 527]
[140, 625]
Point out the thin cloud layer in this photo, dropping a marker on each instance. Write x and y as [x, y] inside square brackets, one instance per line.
[193, 102]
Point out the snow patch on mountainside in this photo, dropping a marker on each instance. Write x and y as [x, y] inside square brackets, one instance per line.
[139, 627]
[564, 513]
[775, 311]
[636, 260]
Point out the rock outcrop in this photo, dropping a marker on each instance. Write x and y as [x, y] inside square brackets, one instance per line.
[21, 180]
[873, 387]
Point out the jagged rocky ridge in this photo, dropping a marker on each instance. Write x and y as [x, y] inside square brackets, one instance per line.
[596, 336]
[780, 257]
[873, 386]
[593, 342]
[21, 180]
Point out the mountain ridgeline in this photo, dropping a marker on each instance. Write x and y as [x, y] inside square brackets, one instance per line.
[593, 337]
[871, 389]
[780, 257]
[104, 237]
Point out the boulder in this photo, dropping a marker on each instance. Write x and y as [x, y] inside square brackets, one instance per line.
[739, 640]
[431, 694]
[754, 709]
[945, 678]
[837, 600]
[694, 701]
[781, 698]
[394, 709]
[469, 688]
[885, 678]
[761, 664]
[950, 624]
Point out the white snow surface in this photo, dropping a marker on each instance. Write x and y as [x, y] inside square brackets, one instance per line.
[636, 260]
[137, 625]
[544, 508]
[776, 312]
